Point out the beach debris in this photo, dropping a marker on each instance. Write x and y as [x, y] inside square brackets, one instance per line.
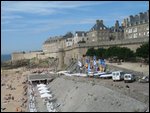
[3, 109]
[95, 98]
[12, 97]
[3, 84]
[127, 86]
[144, 79]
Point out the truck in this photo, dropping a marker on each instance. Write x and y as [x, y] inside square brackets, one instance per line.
[118, 75]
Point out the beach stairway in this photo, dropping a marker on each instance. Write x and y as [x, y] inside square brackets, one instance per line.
[75, 68]
[70, 65]
[67, 68]
[53, 63]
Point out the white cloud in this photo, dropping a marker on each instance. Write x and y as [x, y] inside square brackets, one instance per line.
[12, 17]
[45, 7]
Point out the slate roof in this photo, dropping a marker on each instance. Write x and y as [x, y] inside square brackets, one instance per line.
[68, 35]
[80, 33]
[98, 26]
[112, 29]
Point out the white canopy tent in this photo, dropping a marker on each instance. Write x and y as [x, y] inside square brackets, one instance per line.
[42, 88]
[44, 91]
[41, 85]
[45, 95]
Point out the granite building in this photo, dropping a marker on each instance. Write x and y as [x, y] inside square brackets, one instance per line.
[80, 36]
[137, 26]
[99, 32]
[69, 41]
[116, 32]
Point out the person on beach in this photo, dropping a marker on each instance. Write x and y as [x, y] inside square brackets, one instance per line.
[17, 109]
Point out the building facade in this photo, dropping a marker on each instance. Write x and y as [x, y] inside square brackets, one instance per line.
[80, 36]
[137, 26]
[69, 39]
[116, 32]
[99, 32]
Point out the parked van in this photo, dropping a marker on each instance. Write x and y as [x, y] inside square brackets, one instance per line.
[118, 75]
[129, 78]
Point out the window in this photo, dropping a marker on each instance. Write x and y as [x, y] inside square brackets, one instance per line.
[139, 34]
[82, 34]
[147, 33]
[147, 28]
[144, 33]
[135, 35]
[135, 30]
[130, 30]
[136, 23]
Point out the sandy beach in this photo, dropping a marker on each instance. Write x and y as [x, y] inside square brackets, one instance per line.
[77, 90]
[13, 90]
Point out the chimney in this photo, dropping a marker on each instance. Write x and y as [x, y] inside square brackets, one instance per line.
[117, 25]
[101, 21]
[97, 21]
[140, 17]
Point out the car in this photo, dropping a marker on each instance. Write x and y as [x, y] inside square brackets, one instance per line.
[129, 78]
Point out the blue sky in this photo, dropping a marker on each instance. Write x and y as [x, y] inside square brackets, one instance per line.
[25, 25]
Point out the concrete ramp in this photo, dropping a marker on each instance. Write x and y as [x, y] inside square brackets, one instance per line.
[76, 96]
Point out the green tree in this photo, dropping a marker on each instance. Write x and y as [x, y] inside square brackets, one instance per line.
[111, 52]
[91, 52]
[125, 53]
[143, 51]
[100, 53]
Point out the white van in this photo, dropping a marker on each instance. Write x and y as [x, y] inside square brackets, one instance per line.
[118, 75]
[129, 78]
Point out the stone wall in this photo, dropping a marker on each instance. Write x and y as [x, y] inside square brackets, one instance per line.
[22, 55]
[54, 46]
[65, 55]
[130, 43]
[77, 51]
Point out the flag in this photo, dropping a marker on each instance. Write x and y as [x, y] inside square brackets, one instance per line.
[100, 61]
[79, 64]
[103, 63]
[94, 63]
[94, 58]
[87, 61]
[89, 69]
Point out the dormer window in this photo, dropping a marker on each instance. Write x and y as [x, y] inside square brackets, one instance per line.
[76, 34]
[82, 34]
